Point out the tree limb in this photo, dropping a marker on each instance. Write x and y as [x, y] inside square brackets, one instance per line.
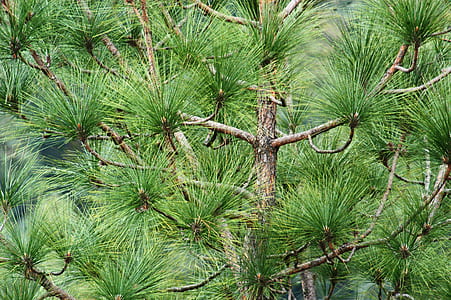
[106, 161]
[445, 72]
[425, 204]
[197, 285]
[402, 178]
[145, 23]
[290, 8]
[231, 19]
[219, 127]
[414, 60]
[292, 138]
[119, 140]
[342, 148]
[442, 32]
[392, 70]
[384, 199]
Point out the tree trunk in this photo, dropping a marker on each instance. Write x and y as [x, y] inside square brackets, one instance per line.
[308, 285]
[265, 156]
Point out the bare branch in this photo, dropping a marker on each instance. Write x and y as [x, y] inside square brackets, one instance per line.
[145, 23]
[119, 140]
[398, 295]
[67, 259]
[403, 178]
[323, 259]
[442, 32]
[290, 8]
[392, 70]
[231, 19]
[198, 285]
[424, 205]
[219, 127]
[414, 60]
[342, 148]
[41, 66]
[106, 161]
[290, 253]
[384, 199]
[445, 72]
[293, 138]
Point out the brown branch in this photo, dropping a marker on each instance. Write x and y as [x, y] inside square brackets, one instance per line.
[106, 161]
[186, 146]
[231, 19]
[442, 32]
[103, 66]
[414, 60]
[384, 199]
[119, 140]
[47, 284]
[41, 66]
[293, 138]
[323, 259]
[290, 8]
[170, 21]
[67, 259]
[198, 285]
[219, 127]
[401, 177]
[445, 72]
[342, 148]
[392, 70]
[145, 23]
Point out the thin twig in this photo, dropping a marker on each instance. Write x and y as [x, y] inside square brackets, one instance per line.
[401, 177]
[342, 148]
[442, 32]
[119, 140]
[145, 23]
[445, 72]
[198, 285]
[290, 253]
[231, 19]
[384, 199]
[106, 161]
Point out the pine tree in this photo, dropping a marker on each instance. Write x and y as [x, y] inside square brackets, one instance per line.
[225, 149]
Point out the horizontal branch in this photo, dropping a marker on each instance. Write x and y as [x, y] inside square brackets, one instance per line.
[222, 128]
[231, 19]
[323, 259]
[197, 285]
[445, 72]
[293, 138]
[442, 32]
[236, 189]
[342, 148]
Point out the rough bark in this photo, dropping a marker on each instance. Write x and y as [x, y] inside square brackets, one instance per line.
[308, 285]
[265, 155]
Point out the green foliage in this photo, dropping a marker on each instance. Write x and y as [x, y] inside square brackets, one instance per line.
[411, 21]
[190, 139]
